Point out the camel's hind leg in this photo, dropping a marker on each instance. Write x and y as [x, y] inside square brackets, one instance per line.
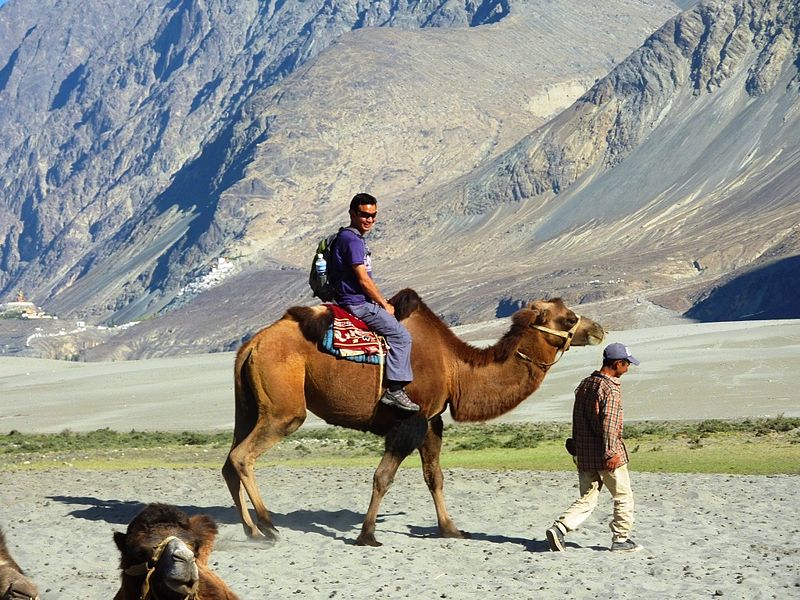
[400, 442]
[257, 430]
[432, 471]
[239, 474]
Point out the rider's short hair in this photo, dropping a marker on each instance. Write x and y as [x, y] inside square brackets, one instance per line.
[362, 198]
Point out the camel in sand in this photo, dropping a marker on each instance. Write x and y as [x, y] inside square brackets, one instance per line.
[165, 557]
[280, 373]
[13, 583]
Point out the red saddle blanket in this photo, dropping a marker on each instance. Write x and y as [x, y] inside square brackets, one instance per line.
[351, 336]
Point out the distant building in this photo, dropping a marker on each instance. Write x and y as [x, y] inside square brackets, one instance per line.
[21, 309]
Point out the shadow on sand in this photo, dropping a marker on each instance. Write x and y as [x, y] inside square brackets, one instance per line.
[341, 525]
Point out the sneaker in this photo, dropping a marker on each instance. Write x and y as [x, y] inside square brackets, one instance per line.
[556, 538]
[625, 546]
[399, 399]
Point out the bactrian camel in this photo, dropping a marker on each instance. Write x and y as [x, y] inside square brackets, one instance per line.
[280, 373]
[164, 556]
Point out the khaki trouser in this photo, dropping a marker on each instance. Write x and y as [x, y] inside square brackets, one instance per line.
[618, 483]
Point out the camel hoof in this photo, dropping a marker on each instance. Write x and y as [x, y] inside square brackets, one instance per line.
[263, 533]
[268, 531]
[457, 534]
[368, 540]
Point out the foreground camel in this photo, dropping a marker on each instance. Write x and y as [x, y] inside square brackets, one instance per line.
[280, 373]
[165, 557]
[13, 583]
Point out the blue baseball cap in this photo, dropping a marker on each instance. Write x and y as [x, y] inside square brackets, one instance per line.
[619, 351]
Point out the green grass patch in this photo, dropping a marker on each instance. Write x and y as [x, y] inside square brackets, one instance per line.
[746, 446]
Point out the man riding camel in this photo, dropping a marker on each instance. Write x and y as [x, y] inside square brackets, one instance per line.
[350, 269]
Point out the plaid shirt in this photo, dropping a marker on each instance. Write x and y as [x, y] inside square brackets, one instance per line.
[597, 422]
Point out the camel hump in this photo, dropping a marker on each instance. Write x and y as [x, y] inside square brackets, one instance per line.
[314, 321]
[405, 302]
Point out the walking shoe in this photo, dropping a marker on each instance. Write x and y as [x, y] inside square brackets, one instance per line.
[556, 538]
[625, 546]
[399, 399]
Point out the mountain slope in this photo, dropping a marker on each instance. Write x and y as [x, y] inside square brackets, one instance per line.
[131, 139]
[104, 106]
[672, 177]
[676, 170]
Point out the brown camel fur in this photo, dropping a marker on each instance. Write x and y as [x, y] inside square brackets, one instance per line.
[280, 373]
[14, 585]
[165, 557]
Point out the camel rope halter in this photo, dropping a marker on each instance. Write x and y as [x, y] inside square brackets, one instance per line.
[148, 567]
[566, 335]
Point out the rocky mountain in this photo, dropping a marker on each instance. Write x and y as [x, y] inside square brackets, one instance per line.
[669, 184]
[143, 142]
[119, 131]
[669, 178]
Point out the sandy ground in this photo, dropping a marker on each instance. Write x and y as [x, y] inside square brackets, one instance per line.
[704, 535]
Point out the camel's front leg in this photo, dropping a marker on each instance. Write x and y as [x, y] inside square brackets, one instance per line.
[405, 437]
[383, 478]
[432, 471]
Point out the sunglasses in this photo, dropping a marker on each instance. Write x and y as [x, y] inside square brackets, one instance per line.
[368, 215]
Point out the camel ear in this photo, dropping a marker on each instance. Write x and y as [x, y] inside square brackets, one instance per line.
[205, 530]
[542, 316]
[541, 308]
[120, 539]
[526, 317]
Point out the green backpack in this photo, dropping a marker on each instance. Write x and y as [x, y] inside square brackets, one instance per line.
[321, 286]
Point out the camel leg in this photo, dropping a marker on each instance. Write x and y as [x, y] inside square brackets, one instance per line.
[239, 474]
[400, 442]
[383, 478]
[432, 472]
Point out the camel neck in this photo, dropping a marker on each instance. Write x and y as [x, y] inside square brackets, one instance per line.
[495, 389]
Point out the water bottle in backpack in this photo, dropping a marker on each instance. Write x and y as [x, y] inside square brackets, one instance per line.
[321, 265]
[321, 270]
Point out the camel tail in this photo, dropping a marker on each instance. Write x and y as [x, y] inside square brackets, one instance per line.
[246, 409]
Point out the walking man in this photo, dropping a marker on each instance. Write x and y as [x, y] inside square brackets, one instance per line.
[357, 293]
[600, 453]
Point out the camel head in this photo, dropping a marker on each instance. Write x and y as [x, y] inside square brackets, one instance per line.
[550, 323]
[163, 547]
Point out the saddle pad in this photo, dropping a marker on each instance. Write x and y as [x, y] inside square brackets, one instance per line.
[349, 338]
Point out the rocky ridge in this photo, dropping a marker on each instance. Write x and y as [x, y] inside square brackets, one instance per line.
[671, 177]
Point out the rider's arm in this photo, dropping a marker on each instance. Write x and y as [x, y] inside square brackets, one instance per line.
[370, 288]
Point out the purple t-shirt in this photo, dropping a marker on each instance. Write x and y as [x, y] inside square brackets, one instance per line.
[349, 249]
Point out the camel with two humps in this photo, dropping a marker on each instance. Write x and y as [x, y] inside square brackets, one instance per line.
[281, 373]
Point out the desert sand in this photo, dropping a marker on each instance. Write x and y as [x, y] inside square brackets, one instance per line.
[704, 535]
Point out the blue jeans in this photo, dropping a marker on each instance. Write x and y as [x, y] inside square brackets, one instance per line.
[398, 359]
